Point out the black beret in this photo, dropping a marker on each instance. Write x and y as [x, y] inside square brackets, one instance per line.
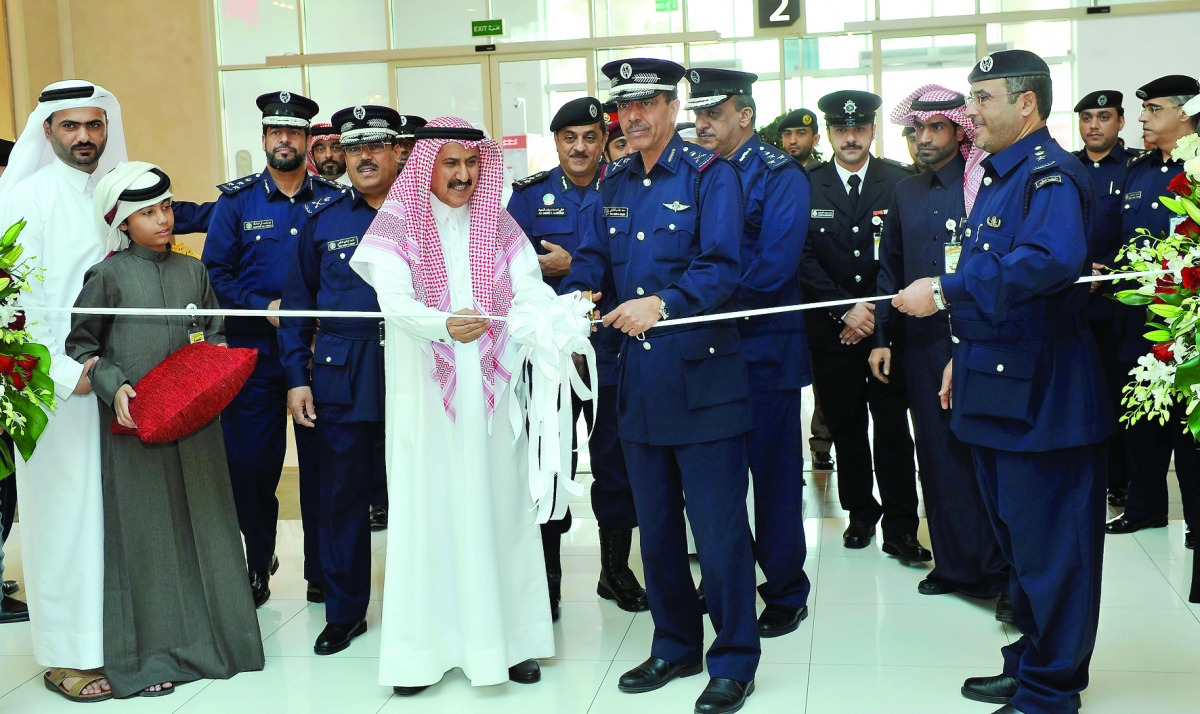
[578, 112]
[641, 77]
[1100, 99]
[286, 109]
[797, 119]
[1008, 63]
[849, 107]
[709, 86]
[365, 123]
[1173, 85]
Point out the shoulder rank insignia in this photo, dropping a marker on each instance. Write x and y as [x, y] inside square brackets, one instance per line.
[313, 206]
[237, 184]
[327, 183]
[522, 184]
[1053, 178]
[676, 206]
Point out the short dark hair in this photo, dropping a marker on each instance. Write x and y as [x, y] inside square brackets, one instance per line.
[741, 101]
[50, 119]
[1039, 84]
[307, 129]
[671, 95]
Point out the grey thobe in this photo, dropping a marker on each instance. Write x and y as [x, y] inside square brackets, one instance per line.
[177, 604]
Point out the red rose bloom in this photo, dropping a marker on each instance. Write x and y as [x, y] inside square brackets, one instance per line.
[1191, 278]
[1188, 228]
[1180, 186]
[18, 322]
[1162, 351]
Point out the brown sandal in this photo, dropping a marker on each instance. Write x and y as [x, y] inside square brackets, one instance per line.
[56, 676]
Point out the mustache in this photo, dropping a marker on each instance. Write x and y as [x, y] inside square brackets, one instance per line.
[84, 145]
[366, 165]
[578, 155]
[848, 147]
[456, 184]
[330, 162]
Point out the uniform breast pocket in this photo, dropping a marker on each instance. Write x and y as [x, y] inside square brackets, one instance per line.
[618, 239]
[331, 374]
[714, 371]
[556, 229]
[673, 235]
[992, 240]
[999, 384]
[335, 269]
[262, 248]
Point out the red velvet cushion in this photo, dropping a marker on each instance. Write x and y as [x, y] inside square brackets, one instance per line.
[187, 390]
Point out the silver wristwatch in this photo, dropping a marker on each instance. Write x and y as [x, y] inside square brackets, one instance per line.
[662, 309]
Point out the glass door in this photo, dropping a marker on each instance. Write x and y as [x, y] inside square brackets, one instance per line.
[445, 87]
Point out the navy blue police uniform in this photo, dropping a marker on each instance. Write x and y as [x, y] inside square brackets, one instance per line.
[1149, 445]
[682, 404]
[192, 217]
[775, 194]
[926, 221]
[1025, 369]
[840, 262]
[1108, 183]
[251, 239]
[548, 207]
[347, 386]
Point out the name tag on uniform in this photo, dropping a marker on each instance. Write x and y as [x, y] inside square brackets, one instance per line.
[1133, 195]
[616, 212]
[818, 213]
[878, 240]
[195, 337]
[554, 211]
[951, 252]
[1056, 178]
[257, 225]
[342, 243]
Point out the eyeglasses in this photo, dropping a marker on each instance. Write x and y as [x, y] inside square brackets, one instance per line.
[1155, 109]
[981, 98]
[375, 147]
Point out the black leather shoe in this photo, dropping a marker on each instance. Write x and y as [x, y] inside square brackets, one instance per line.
[378, 518]
[1118, 496]
[260, 590]
[702, 598]
[998, 689]
[1189, 541]
[1121, 524]
[316, 593]
[409, 691]
[858, 534]
[722, 696]
[779, 620]
[933, 586]
[13, 610]
[1004, 612]
[654, 673]
[11, 586]
[822, 461]
[908, 549]
[335, 638]
[526, 672]
[617, 582]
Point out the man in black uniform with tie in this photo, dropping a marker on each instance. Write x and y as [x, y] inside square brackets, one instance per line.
[850, 198]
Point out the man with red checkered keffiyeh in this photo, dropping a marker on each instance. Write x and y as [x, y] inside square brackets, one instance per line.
[935, 203]
[478, 362]
[325, 156]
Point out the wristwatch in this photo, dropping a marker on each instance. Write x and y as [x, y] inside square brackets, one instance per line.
[662, 309]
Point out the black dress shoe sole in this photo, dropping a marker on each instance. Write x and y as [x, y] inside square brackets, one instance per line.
[7, 618]
[801, 616]
[936, 587]
[1140, 526]
[903, 557]
[680, 673]
[986, 698]
[626, 604]
[409, 691]
[737, 706]
[334, 649]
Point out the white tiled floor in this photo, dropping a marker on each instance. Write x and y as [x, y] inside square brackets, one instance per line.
[871, 643]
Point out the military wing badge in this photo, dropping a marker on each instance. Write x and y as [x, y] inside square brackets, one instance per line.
[676, 206]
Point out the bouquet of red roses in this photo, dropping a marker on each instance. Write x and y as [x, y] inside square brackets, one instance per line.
[1170, 372]
[25, 384]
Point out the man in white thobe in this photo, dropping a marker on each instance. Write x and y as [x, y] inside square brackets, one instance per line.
[465, 584]
[72, 139]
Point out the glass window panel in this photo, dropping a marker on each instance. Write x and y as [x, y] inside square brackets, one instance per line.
[248, 32]
[832, 16]
[898, 9]
[541, 20]
[417, 25]
[1047, 39]
[532, 91]
[615, 18]
[732, 18]
[603, 57]
[1016, 5]
[344, 25]
[242, 118]
[760, 57]
[337, 86]
[460, 92]
[910, 62]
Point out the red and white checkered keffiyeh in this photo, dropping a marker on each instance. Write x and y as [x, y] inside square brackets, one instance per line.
[317, 132]
[406, 220]
[903, 115]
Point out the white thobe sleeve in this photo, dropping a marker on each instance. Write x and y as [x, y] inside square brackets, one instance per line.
[63, 370]
[392, 279]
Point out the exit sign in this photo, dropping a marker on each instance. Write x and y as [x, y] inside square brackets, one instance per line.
[666, 5]
[486, 28]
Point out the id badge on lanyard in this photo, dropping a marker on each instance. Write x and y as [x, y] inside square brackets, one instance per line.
[195, 334]
[877, 221]
[952, 249]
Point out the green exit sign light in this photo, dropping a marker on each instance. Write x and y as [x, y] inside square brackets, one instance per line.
[486, 28]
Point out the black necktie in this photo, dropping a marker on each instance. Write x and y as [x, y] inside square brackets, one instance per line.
[854, 181]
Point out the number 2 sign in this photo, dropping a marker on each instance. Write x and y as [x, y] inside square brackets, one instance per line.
[778, 13]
